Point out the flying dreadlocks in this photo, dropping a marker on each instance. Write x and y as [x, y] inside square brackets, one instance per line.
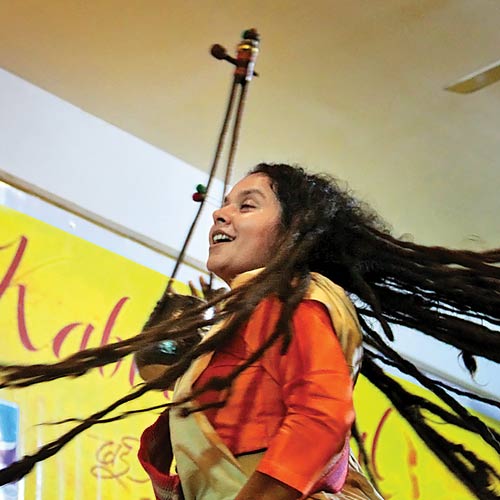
[450, 295]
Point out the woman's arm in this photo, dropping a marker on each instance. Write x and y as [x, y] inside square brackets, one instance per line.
[153, 360]
[264, 487]
[150, 372]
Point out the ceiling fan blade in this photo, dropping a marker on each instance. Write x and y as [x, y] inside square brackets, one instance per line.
[477, 80]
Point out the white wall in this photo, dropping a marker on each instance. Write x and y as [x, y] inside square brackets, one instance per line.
[53, 146]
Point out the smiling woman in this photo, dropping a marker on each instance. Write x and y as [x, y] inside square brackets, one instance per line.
[282, 406]
[271, 402]
[267, 412]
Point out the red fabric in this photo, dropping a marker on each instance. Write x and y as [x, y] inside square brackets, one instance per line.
[155, 455]
[297, 406]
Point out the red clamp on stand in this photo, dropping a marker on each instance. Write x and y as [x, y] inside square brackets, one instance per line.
[200, 194]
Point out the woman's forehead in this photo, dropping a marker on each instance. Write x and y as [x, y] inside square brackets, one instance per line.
[256, 184]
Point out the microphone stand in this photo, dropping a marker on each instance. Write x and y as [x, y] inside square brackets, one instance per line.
[247, 52]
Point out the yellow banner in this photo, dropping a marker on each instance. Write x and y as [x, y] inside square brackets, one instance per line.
[60, 294]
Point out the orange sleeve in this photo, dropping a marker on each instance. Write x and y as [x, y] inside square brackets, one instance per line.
[316, 390]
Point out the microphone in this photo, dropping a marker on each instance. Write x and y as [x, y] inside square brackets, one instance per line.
[219, 52]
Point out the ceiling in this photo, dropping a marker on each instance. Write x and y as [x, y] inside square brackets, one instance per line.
[351, 87]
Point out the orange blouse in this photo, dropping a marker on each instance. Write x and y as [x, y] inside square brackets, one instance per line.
[297, 406]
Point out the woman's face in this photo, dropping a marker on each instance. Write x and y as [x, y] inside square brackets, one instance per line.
[245, 229]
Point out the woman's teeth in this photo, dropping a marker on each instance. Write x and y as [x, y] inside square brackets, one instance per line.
[220, 238]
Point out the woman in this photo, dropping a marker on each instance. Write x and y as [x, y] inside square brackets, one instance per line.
[262, 406]
[282, 408]
[277, 400]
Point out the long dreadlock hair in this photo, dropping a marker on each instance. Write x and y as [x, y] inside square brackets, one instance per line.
[450, 295]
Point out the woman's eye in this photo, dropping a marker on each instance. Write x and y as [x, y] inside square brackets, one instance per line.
[246, 206]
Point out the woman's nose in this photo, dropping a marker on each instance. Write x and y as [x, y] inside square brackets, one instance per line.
[222, 215]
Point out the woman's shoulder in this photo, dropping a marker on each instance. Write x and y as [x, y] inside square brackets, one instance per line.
[320, 283]
[329, 293]
[343, 316]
